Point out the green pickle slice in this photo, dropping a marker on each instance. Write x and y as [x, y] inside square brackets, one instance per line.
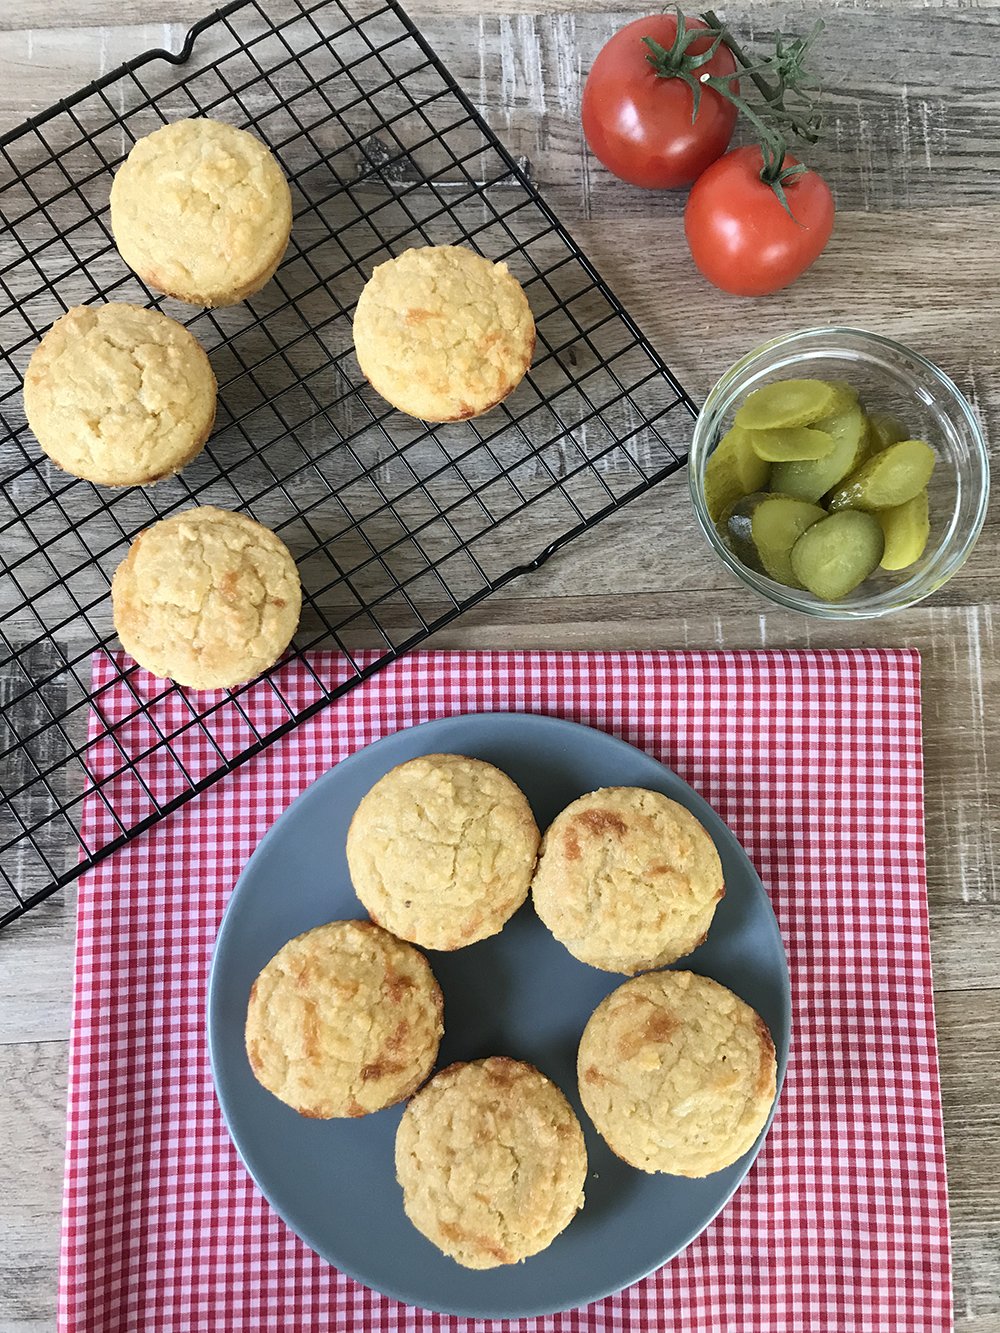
[890, 478]
[732, 471]
[764, 528]
[787, 403]
[811, 479]
[834, 556]
[791, 444]
[846, 394]
[885, 429]
[815, 492]
[906, 529]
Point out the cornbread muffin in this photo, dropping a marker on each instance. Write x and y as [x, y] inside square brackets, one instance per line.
[677, 1073]
[441, 850]
[627, 879]
[344, 1020]
[206, 598]
[443, 333]
[119, 395]
[492, 1162]
[201, 211]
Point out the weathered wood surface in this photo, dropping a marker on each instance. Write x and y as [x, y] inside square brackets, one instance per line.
[915, 120]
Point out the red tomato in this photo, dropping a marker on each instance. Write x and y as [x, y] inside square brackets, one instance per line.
[741, 238]
[639, 124]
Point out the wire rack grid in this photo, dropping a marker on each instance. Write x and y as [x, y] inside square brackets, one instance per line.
[397, 527]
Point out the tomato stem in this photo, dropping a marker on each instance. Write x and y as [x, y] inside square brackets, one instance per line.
[776, 119]
[778, 78]
[788, 65]
[679, 62]
[768, 92]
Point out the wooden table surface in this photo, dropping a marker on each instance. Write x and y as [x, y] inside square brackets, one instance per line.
[911, 152]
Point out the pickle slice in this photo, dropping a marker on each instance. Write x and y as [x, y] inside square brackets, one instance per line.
[732, 471]
[810, 480]
[791, 444]
[764, 528]
[906, 529]
[832, 557]
[890, 478]
[885, 429]
[846, 395]
[787, 403]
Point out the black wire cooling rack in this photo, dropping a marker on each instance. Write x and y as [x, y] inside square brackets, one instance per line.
[397, 527]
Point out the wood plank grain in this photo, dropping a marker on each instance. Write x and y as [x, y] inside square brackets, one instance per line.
[908, 105]
[36, 973]
[32, 1128]
[40, 14]
[969, 1040]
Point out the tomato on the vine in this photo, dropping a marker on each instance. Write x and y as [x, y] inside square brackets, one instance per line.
[638, 111]
[741, 237]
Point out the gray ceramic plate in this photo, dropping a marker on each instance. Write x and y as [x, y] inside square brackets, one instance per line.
[518, 994]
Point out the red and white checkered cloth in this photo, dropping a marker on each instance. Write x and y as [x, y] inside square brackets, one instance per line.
[813, 759]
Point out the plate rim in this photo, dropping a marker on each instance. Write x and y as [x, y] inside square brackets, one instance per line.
[556, 723]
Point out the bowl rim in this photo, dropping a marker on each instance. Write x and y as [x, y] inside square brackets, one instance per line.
[900, 596]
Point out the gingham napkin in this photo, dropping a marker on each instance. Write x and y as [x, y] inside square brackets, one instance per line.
[814, 760]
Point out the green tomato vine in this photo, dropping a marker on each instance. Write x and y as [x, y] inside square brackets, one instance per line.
[789, 92]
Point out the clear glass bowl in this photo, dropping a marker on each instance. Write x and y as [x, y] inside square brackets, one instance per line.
[889, 378]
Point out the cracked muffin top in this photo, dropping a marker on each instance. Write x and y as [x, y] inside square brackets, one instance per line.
[442, 333]
[344, 1020]
[119, 395]
[207, 598]
[441, 850]
[492, 1162]
[627, 879]
[677, 1073]
[201, 211]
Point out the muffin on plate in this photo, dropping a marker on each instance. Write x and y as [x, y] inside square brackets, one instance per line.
[344, 1020]
[119, 395]
[492, 1162]
[207, 598]
[627, 879]
[441, 850]
[201, 211]
[677, 1073]
[442, 333]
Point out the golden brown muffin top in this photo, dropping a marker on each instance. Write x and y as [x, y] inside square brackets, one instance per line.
[344, 1020]
[207, 598]
[627, 879]
[677, 1073]
[442, 333]
[492, 1162]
